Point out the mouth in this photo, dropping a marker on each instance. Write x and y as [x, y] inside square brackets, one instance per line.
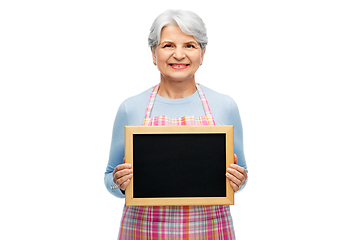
[179, 65]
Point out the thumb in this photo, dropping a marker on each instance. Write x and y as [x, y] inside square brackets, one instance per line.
[124, 160]
[235, 159]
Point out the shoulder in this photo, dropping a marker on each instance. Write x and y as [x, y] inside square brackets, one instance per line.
[218, 99]
[138, 99]
[134, 108]
[223, 107]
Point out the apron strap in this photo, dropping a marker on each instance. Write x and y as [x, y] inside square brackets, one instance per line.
[205, 105]
[151, 101]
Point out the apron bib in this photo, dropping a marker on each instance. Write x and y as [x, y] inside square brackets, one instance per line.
[177, 222]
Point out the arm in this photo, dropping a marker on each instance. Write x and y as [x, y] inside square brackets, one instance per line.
[237, 173]
[117, 151]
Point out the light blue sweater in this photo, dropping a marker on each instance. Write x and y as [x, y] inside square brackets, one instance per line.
[132, 113]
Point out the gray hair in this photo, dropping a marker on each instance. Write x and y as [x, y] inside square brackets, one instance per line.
[189, 22]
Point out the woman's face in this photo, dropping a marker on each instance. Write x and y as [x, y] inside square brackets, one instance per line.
[178, 56]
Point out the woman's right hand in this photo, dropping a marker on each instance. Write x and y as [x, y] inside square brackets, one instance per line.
[122, 175]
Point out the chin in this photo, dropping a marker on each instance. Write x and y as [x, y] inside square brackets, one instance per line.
[178, 78]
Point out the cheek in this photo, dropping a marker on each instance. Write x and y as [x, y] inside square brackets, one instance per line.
[161, 57]
[196, 58]
[196, 62]
[161, 60]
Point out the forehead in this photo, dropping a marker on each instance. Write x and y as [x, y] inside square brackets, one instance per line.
[174, 33]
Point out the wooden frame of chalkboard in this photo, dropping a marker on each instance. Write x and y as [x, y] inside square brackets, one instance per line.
[179, 165]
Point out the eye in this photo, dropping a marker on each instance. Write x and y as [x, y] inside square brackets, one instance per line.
[167, 46]
[190, 46]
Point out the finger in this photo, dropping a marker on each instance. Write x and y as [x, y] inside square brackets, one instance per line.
[123, 166]
[122, 180]
[238, 168]
[236, 173]
[235, 159]
[122, 173]
[240, 173]
[121, 170]
[233, 179]
[124, 185]
[234, 186]
[117, 171]
[124, 160]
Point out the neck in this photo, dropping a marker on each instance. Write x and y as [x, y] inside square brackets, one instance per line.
[176, 89]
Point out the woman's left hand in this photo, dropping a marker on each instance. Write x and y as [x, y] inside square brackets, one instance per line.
[236, 174]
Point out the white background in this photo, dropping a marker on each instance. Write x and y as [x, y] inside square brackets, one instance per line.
[65, 67]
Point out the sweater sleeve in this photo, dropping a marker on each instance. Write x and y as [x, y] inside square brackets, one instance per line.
[234, 119]
[117, 151]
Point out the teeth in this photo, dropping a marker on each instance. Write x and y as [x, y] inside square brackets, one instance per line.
[178, 65]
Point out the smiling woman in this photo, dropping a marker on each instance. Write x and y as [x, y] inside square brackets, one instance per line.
[177, 57]
[178, 42]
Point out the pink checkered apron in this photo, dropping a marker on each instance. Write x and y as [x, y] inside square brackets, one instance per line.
[177, 222]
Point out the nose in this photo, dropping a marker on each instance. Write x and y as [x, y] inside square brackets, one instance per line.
[179, 53]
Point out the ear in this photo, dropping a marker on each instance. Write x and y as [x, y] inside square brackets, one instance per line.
[154, 56]
[202, 55]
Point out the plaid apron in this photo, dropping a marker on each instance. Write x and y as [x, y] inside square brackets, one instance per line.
[177, 222]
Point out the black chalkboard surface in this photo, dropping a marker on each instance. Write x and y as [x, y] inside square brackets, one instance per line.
[165, 165]
[179, 165]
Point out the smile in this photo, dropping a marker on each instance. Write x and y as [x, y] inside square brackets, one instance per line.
[179, 66]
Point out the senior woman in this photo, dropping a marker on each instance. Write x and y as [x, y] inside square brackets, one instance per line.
[178, 42]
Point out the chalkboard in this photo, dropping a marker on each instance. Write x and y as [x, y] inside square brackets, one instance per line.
[179, 165]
